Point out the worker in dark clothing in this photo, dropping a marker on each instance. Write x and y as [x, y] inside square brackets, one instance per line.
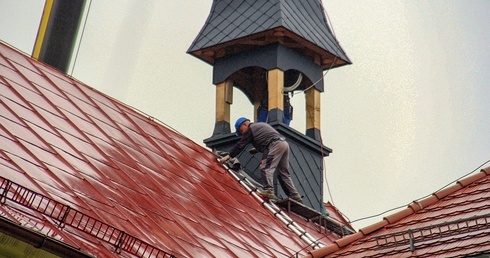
[275, 155]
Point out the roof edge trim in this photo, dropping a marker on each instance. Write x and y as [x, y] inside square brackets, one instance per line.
[399, 215]
[378, 225]
[39, 240]
[469, 180]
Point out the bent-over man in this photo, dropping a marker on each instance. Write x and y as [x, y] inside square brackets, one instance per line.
[275, 155]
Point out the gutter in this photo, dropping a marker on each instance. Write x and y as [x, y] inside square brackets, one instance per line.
[39, 240]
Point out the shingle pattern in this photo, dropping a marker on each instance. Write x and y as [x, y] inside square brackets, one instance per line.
[452, 222]
[231, 19]
[84, 168]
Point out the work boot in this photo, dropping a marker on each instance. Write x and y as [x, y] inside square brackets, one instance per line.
[269, 194]
[297, 198]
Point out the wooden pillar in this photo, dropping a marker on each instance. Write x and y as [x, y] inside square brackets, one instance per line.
[256, 108]
[224, 99]
[313, 113]
[275, 82]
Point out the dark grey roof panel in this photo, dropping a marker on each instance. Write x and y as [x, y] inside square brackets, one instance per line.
[306, 18]
[256, 16]
[237, 19]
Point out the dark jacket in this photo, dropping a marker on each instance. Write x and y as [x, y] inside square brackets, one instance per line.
[260, 135]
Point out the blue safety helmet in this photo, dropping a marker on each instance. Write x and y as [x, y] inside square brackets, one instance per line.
[238, 123]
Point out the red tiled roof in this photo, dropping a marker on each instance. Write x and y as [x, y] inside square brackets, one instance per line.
[452, 222]
[83, 168]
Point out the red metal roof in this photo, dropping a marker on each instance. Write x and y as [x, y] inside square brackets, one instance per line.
[98, 175]
[452, 222]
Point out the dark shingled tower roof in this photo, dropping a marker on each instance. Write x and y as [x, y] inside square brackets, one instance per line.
[235, 26]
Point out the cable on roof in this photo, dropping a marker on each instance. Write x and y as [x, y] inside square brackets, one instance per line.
[143, 113]
[325, 172]
[295, 85]
[329, 22]
[321, 142]
[319, 80]
[416, 201]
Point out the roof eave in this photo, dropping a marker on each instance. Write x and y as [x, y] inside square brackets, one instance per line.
[39, 240]
[319, 55]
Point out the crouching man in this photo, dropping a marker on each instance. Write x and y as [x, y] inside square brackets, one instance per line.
[275, 156]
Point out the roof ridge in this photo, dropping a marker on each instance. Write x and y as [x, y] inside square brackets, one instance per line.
[435, 231]
[412, 208]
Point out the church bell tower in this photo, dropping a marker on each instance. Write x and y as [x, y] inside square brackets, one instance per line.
[267, 49]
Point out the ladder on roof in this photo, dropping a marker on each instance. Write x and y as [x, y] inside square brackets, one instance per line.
[290, 205]
[274, 209]
[234, 167]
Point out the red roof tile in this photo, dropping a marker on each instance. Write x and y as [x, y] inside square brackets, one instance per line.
[452, 222]
[98, 175]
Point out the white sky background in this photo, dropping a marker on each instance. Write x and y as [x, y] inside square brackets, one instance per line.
[410, 115]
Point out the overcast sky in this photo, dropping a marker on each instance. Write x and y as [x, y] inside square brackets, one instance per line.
[409, 116]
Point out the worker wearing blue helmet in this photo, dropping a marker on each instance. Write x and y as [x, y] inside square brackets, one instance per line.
[239, 122]
[275, 155]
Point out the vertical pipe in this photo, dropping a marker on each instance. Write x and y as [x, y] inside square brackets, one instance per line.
[48, 6]
[57, 32]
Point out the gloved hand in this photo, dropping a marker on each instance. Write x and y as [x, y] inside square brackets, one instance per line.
[253, 151]
[224, 159]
